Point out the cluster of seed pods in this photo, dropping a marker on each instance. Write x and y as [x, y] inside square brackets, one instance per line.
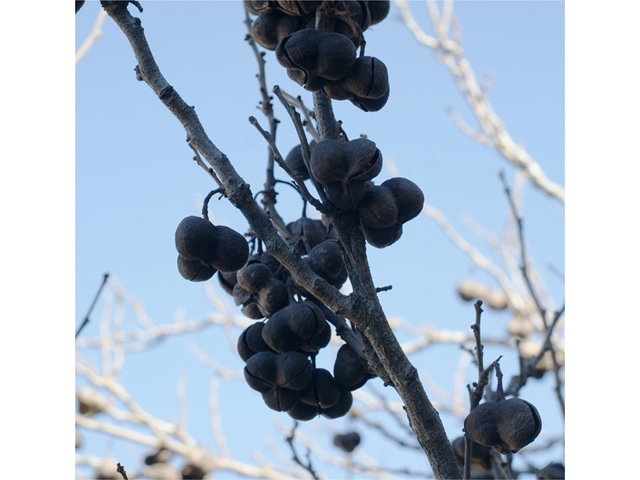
[325, 60]
[280, 351]
[346, 169]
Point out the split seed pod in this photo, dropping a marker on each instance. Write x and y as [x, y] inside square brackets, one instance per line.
[293, 326]
[295, 161]
[368, 80]
[378, 9]
[322, 393]
[313, 58]
[343, 168]
[307, 232]
[279, 378]
[506, 425]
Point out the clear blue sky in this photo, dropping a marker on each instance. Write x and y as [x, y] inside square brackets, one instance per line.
[135, 181]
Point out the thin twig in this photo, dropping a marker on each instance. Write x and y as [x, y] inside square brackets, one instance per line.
[95, 299]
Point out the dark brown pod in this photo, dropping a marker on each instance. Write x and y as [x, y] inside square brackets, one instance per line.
[303, 411]
[326, 260]
[194, 270]
[318, 341]
[253, 311]
[352, 18]
[293, 326]
[368, 78]
[273, 297]
[480, 455]
[506, 425]
[240, 295]
[254, 277]
[381, 237]
[227, 281]
[378, 9]
[378, 208]
[347, 441]
[233, 251]
[370, 104]
[192, 471]
[251, 342]
[266, 371]
[307, 232]
[269, 28]
[343, 168]
[341, 408]
[322, 391]
[350, 371]
[313, 58]
[409, 197]
[295, 161]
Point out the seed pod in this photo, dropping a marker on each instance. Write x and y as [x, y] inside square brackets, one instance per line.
[368, 79]
[273, 297]
[409, 197]
[219, 247]
[293, 326]
[347, 441]
[506, 425]
[341, 408]
[162, 455]
[480, 455]
[520, 326]
[496, 300]
[227, 281]
[308, 232]
[343, 168]
[295, 161]
[350, 371]
[193, 471]
[352, 18]
[313, 58]
[326, 260]
[279, 378]
[381, 237]
[378, 9]
[254, 277]
[269, 28]
[251, 342]
[195, 270]
[371, 104]
[378, 208]
[322, 391]
[258, 7]
[551, 471]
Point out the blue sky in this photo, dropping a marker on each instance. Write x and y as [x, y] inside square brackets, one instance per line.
[135, 181]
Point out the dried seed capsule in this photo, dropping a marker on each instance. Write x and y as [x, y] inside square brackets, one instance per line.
[313, 58]
[471, 290]
[506, 425]
[350, 371]
[269, 28]
[341, 408]
[322, 391]
[308, 233]
[294, 7]
[227, 281]
[381, 237]
[409, 197]
[379, 9]
[480, 455]
[347, 441]
[343, 168]
[326, 260]
[273, 297]
[195, 270]
[378, 208]
[496, 300]
[251, 342]
[258, 7]
[520, 326]
[368, 79]
[217, 246]
[266, 371]
[295, 161]
[254, 277]
[293, 326]
[370, 104]
[352, 18]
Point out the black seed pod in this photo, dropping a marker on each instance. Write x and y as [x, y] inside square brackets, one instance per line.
[322, 391]
[217, 246]
[370, 104]
[308, 232]
[313, 58]
[381, 237]
[273, 297]
[266, 371]
[195, 270]
[254, 277]
[250, 342]
[295, 161]
[294, 7]
[293, 326]
[326, 260]
[347, 441]
[480, 455]
[341, 408]
[378, 208]
[350, 371]
[343, 168]
[227, 281]
[506, 425]
[258, 7]
[409, 197]
[379, 9]
[269, 28]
